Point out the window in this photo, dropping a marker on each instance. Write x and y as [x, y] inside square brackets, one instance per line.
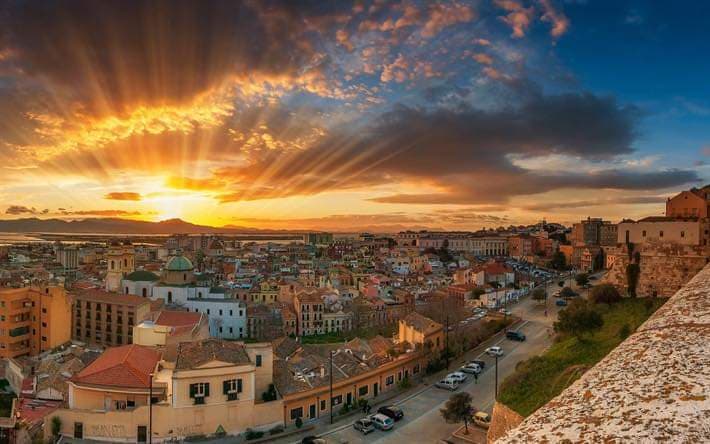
[220, 312]
[660, 234]
[258, 360]
[362, 391]
[220, 329]
[322, 404]
[44, 324]
[389, 380]
[143, 292]
[44, 339]
[337, 400]
[232, 388]
[44, 310]
[208, 311]
[296, 413]
[199, 391]
[682, 234]
[643, 233]
[230, 313]
[231, 330]
[416, 369]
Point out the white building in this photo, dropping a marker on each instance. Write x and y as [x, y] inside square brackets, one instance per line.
[228, 317]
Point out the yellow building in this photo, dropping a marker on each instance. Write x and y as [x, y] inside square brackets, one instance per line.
[33, 319]
[197, 388]
[416, 329]
[120, 261]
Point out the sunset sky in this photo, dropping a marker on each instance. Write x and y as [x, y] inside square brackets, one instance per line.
[342, 115]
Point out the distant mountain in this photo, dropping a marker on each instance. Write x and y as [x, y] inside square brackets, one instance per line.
[117, 226]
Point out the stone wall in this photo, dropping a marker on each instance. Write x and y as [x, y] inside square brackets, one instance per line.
[502, 420]
[653, 387]
[665, 268]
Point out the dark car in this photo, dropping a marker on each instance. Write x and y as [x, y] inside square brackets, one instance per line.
[561, 303]
[480, 363]
[515, 336]
[391, 411]
[312, 440]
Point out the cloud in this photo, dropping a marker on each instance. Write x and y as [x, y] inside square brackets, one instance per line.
[518, 18]
[444, 15]
[20, 209]
[187, 183]
[483, 59]
[630, 200]
[101, 213]
[558, 21]
[124, 195]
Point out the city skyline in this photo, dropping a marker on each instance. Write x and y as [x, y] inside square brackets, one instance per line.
[452, 115]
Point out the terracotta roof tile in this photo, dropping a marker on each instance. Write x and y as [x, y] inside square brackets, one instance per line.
[178, 318]
[128, 366]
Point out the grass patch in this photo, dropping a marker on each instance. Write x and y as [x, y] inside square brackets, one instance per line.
[364, 333]
[540, 378]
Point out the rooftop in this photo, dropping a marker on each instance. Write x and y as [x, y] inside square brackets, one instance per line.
[195, 354]
[128, 366]
[142, 276]
[654, 387]
[99, 295]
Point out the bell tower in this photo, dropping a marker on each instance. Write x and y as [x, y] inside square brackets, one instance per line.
[120, 260]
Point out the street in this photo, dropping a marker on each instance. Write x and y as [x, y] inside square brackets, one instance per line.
[422, 420]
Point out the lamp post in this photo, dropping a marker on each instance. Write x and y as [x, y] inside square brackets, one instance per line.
[150, 410]
[330, 402]
[496, 392]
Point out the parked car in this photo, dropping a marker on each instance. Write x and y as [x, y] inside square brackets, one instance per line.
[506, 312]
[471, 368]
[364, 426]
[447, 384]
[482, 419]
[515, 336]
[391, 411]
[478, 362]
[457, 376]
[381, 421]
[312, 440]
[494, 351]
[560, 302]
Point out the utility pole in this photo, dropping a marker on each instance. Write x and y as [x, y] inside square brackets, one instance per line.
[150, 410]
[446, 342]
[330, 403]
[496, 395]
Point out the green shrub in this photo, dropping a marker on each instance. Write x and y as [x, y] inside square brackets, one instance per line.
[624, 331]
[605, 294]
[404, 383]
[299, 422]
[254, 434]
[276, 430]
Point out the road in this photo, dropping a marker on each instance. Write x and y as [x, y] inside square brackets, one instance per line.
[423, 423]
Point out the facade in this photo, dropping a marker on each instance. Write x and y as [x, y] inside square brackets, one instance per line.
[309, 309]
[33, 320]
[106, 319]
[692, 203]
[320, 238]
[593, 231]
[227, 317]
[120, 261]
[664, 230]
[171, 328]
[419, 330]
[139, 283]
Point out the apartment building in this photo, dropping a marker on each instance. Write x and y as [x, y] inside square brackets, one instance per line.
[594, 231]
[692, 231]
[691, 203]
[309, 309]
[106, 319]
[33, 320]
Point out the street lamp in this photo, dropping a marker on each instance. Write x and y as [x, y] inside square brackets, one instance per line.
[496, 396]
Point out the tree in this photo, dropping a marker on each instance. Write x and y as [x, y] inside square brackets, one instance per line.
[567, 293]
[604, 294]
[539, 294]
[633, 271]
[458, 408]
[477, 292]
[578, 319]
[558, 261]
[56, 427]
[582, 279]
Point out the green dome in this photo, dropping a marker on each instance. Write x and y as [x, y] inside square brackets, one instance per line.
[179, 263]
[142, 276]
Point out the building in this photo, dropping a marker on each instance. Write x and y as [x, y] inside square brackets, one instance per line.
[67, 256]
[309, 308]
[33, 320]
[692, 203]
[120, 260]
[172, 327]
[227, 317]
[418, 330]
[593, 231]
[661, 229]
[362, 369]
[178, 283]
[318, 238]
[195, 389]
[139, 283]
[106, 319]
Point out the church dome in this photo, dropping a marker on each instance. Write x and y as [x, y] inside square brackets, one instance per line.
[179, 263]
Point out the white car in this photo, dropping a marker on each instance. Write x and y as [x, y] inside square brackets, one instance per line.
[494, 351]
[447, 384]
[471, 368]
[381, 421]
[457, 376]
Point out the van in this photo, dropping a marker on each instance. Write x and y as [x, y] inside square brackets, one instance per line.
[447, 384]
[515, 336]
[482, 419]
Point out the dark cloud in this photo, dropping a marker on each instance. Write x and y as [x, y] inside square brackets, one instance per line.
[125, 52]
[468, 153]
[631, 200]
[123, 196]
[20, 209]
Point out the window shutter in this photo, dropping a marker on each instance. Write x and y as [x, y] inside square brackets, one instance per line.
[193, 390]
[207, 389]
[239, 385]
[225, 387]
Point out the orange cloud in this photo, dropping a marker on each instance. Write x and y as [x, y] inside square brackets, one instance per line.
[559, 22]
[519, 17]
[442, 16]
[187, 183]
[123, 196]
[483, 59]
